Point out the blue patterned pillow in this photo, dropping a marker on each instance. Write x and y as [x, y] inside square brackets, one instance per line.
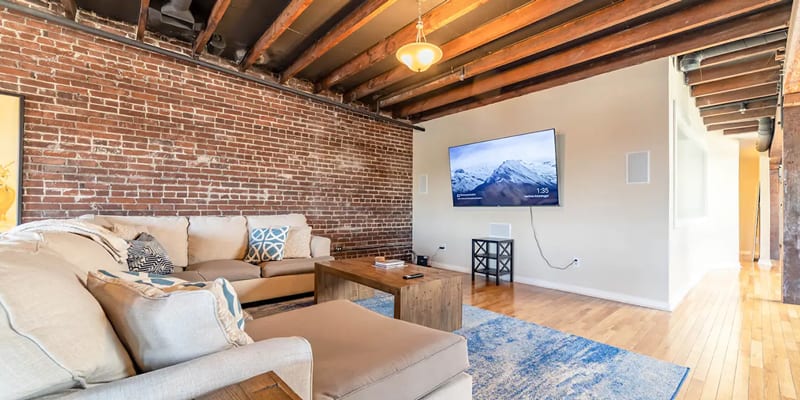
[145, 278]
[266, 244]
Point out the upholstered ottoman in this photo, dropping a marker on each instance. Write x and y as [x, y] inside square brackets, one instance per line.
[359, 354]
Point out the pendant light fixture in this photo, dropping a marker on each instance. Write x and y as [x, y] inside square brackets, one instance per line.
[420, 55]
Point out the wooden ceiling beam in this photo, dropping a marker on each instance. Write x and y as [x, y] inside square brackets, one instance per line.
[70, 8]
[287, 17]
[355, 20]
[732, 125]
[732, 117]
[766, 48]
[769, 89]
[696, 16]
[728, 31]
[436, 18]
[505, 24]
[144, 7]
[220, 7]
[597, 21]
[734, 108]
[755, 64]
[736, 83]
[737, 131]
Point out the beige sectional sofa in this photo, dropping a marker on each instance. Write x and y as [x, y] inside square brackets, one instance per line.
[56, 342]
[209, 247]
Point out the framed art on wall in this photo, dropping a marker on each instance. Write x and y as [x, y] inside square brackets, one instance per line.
[12, 107]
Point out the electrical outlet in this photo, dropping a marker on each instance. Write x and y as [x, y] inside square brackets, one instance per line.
[576, 262]
[338, 248]
[443, 246]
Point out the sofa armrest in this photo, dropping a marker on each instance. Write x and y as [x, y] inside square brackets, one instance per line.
[320, 246]
[289, 357]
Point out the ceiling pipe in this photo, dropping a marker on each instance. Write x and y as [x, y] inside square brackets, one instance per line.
[46, 16]
[178, 9]
[766, 128]
[691, 61]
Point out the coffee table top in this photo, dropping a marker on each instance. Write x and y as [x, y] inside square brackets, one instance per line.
[362, 270]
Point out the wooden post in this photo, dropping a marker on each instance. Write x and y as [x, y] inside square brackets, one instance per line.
[791, 162]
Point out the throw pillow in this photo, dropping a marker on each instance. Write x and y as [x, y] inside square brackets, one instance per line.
[163, 326]
[145, 278]
[298, 242]
[145, 254]
[266, 244]
[128, 232]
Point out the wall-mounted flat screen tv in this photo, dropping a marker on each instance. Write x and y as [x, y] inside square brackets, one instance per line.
[513, 171]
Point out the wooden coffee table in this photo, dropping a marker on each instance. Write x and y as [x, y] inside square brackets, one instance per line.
[433, 300]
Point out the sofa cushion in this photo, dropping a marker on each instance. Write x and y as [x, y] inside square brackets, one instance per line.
[232, 270]
[171, 232]
[128, 232]
[290, 266]
[146, 254]
[298, 242]
[370, 356]
[53, 334]
[217, 238]
[266, 244]
[81, 252]
[169, 325]
[265, 221]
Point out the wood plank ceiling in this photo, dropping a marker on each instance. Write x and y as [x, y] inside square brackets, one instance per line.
[493, 50]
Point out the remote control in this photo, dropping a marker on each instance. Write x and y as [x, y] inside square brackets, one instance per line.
[412, 276]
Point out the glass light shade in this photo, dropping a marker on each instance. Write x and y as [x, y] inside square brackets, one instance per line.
[419, 56]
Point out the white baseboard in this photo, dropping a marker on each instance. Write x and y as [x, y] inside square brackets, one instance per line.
[591, 292]
[764, 263]
[683, 292]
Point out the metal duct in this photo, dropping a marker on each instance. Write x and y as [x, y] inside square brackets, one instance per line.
[691, 61]
[766, 127]
[178, 9]
[216, 45]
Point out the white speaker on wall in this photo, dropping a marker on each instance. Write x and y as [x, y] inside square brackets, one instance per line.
[638, 167]
[423, 184]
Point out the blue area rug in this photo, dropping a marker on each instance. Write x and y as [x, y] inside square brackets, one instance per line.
[514, 359]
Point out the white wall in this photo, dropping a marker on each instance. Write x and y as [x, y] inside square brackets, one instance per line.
[619, 231]
[700, 240]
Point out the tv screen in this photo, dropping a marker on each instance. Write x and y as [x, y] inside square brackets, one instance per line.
[513, 171]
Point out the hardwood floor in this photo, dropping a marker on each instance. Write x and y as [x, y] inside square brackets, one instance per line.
[732, 330]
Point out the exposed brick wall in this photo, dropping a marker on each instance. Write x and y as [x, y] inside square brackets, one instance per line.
[116, 130]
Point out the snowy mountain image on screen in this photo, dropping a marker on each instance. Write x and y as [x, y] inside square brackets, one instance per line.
[510, 172]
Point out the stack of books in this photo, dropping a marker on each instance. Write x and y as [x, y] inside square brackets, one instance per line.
[388, 264]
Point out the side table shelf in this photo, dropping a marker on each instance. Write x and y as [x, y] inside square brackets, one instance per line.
[493, 257]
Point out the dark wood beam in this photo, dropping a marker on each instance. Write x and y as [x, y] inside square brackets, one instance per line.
[732, 117]
[436, 18]
[767, 48]
[275, 30]
[70, 8]
[699, 15]
[597, 21]
[734, 108]
[505, 24]
[728, 31]
[754, 64]
[736, 83]
[791, 82]
[769, 89]
[732, 125]
[220, 7]
[144, 7]
[736, 131]
[355, 20]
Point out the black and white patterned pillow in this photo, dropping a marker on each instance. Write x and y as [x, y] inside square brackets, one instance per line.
[145, 254]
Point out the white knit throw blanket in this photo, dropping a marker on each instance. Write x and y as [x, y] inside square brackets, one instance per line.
[113, 244]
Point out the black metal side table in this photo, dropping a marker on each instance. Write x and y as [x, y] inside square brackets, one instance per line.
[493, 256]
